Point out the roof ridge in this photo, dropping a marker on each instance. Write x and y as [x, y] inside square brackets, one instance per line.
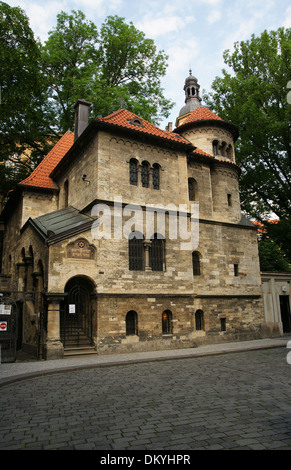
[122, 117]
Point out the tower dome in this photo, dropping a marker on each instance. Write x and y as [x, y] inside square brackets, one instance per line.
[192, 98]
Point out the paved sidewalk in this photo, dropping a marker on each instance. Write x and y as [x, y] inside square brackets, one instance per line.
[10, 372]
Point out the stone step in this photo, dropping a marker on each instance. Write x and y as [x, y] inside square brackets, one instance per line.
[79, 351]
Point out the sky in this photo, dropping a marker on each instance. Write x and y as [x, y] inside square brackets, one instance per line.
[193, 34]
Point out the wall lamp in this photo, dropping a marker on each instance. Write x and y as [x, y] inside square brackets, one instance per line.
[84, 179]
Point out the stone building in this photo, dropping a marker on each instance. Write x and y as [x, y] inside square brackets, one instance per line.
[131, 238]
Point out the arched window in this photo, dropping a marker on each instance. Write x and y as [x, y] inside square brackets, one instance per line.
[229, 152]
[136, 251]
[29, 261]
[131, 323]
[196, 263]
[199, 320]
[192, 189]
[223, 148]
[156, 176]
[167, 322]
[215, 147]
[145, 174]
[157, 252]
[133, 172]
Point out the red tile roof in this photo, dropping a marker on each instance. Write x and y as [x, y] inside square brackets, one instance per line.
[199, 152]
[126, 120]
[40, 177]
[261, 228]
[204, 114]
[201, 114]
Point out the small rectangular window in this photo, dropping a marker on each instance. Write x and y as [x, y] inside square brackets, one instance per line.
[235, 269]
[223, 324]
[229, 202]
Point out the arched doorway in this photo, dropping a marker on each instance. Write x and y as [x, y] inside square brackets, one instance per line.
[77, 311]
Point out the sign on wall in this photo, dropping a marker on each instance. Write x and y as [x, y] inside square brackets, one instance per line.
[72, 308]
[81, 249]
[5, 309]
[3, 325]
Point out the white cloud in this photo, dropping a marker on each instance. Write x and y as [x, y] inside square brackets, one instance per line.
[214, 16]
[42, 16]
[287, 20]
[214, 3]
[156, 26]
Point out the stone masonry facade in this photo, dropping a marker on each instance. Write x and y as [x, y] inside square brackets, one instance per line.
[71, 234]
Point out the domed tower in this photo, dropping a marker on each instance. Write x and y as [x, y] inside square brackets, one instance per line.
[214, 140]
[192, 98]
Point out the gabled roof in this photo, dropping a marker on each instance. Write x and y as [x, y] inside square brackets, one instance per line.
[40, 177]
[127, 120]
[61, 224]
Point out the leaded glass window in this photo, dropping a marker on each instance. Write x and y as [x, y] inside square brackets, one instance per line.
[136, 251]
[157, 253]
[156, 176]
[133, 172]
[145, 174]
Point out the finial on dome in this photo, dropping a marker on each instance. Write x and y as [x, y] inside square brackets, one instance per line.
[192, 98]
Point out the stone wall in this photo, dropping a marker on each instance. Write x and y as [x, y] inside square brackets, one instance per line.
[204, 136]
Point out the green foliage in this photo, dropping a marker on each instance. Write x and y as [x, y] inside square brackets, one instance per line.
[113, 68]
[131, 68]
[22, 95]
[281, 234]
[253, 96]
[70, 61]
[116, 67]
[271, 257]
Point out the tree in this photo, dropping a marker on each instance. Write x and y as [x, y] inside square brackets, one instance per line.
[271, 257]
[131, 69]
[70, 63]
[253, 96]
[280, 233]
[116, 67]
[23, 132]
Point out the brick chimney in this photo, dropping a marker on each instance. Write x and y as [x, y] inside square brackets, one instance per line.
[81, 117]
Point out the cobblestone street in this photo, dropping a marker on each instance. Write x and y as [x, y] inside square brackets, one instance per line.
[229, 401]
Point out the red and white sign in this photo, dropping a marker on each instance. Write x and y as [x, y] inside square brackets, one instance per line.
[3, 326]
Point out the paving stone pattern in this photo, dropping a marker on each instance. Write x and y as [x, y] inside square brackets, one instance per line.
[231, 401]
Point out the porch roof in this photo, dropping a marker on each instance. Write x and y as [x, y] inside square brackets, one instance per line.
[61, 224]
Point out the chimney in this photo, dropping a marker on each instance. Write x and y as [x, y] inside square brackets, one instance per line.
[81, 117]
[169, 127]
